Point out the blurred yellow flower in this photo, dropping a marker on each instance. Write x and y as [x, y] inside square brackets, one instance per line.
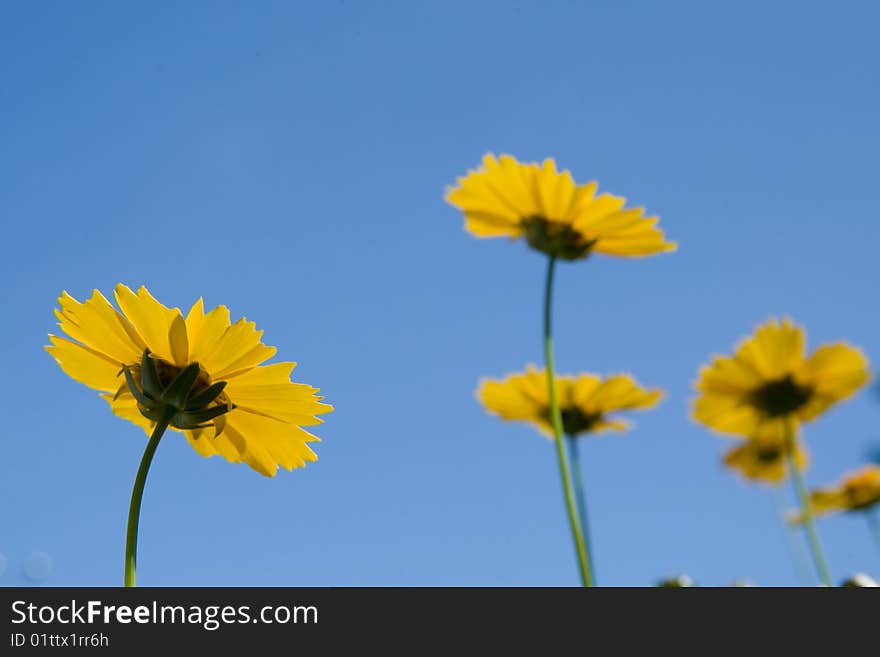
[769, 380]
[858, 491]
[586, 400]
[507, 198]
[149, 357]
[762, 460]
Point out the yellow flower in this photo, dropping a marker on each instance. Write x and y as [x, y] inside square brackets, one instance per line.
[769, 379]
[860, 490]
[507, 198]
[229, 404]
[586, 400]
[762, 460]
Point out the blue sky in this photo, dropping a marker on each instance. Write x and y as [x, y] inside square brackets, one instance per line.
[288, 160]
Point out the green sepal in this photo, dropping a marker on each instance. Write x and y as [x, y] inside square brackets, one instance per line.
[189, 419]
[121, 389]
[154, 413]
[150, 380]
[178, 390]
[205, 397]
[141, 398]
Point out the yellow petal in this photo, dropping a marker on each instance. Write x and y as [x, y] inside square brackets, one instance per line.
[555, 192]
[207, 443]
[775, 351]
[610, 425]
[584, 388]
[823, 502]
[617, 393]
[162, 329]
[508, 401]
[295, 403]
[725, 414]
[598, 207]
[269, 443]
[97, 325]
[481, 224]
[634, 247]
[205, 330]
[239, 348]
[497, 188]
[730, 376]
[275, 373]
[626, 221]
[85, 365]
[833, 373]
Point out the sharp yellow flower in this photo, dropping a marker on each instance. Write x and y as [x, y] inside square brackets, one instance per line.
[769, 381]
[507, 198]
[149, 357]
[762, 460]
[858, 491]
[198, 374]
[587, 401]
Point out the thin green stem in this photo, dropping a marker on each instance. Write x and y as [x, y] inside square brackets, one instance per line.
[134, 509]
[559, 437]
[581, 498]
[806, 508]
[795, 549]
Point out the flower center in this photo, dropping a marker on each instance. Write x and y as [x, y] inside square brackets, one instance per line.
[184, 397]
[781, 397]
[556, 239]
[168, 372]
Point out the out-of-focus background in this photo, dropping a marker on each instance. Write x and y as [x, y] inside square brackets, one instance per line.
[289, 160]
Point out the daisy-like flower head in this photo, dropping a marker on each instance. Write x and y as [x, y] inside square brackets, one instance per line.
[201, 371]
[763, 460]
[585, 400]
[858, 491]
[769, 380]
[507, 198]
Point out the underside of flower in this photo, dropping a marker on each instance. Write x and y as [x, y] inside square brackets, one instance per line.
[588, 403]
[764, 460]
[199, 372]
[575, 421]
[862, 490]
[182, 395]
[556, 239]
[508, 198]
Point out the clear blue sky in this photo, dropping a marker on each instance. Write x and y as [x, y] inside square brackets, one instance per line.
[288, 160]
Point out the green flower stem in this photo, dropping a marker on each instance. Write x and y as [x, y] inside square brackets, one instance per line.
[580, 497]
[795, 549]
[134, 510]
[806, 508]
[556, 419]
